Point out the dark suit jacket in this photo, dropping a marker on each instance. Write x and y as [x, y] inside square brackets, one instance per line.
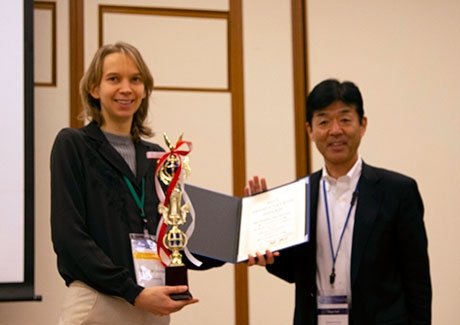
[390, 277]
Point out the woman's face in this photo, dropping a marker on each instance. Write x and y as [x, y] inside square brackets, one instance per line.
[121, 89]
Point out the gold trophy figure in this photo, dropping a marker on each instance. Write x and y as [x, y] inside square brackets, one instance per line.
[174, 215]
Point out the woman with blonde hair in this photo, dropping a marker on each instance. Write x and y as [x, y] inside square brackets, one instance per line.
[98, 174]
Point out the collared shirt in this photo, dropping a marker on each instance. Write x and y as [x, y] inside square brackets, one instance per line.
[339, 194]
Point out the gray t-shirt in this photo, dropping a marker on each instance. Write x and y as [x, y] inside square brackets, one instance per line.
[125, 147]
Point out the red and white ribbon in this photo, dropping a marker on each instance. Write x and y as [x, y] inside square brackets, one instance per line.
[178, 177]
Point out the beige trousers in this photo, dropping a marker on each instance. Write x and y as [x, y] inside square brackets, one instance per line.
[84, 305]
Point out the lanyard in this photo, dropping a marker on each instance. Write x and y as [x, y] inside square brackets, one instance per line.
[139, 202]
[334, 255]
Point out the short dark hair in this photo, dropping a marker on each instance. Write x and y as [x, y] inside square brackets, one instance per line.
[331, 90]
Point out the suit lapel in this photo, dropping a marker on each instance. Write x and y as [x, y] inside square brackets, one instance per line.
[142, 163]
[311, 247]
[369, 199]
[314, 188]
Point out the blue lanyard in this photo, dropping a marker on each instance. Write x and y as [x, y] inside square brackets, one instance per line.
[334, 255]
[139, 202]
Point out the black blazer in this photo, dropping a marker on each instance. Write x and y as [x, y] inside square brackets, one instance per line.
[93, 212]
[390, 277]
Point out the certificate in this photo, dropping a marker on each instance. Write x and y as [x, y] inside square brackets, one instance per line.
[229, 228]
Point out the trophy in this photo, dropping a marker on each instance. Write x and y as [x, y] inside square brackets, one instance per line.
[174, 214]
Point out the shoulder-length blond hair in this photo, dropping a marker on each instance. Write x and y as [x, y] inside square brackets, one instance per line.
[93, 76]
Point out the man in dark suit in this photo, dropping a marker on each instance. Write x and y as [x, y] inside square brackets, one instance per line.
[368, 241]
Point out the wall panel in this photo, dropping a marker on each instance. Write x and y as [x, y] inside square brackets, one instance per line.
[187, 52]
[404, 57]
[45, 43]
[195, 59]
[269, 113]
[191, 113]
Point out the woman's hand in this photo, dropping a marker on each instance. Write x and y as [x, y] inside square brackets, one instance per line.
[157, 300]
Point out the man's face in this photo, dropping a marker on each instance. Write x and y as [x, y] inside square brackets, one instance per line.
[337, 133]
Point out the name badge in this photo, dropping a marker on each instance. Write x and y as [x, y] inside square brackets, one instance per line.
[147, 264]
[332, 310]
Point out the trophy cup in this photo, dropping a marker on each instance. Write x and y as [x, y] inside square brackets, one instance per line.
[174, 214]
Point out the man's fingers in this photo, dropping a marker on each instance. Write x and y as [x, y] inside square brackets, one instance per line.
[264, 184]
[270, 257]
[251, 260]
[260, 259]
[257, 185]
[252, 186]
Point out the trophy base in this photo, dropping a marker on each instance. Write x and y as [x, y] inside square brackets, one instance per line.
[177, 275]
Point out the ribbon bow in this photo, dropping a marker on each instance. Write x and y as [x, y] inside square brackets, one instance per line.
[178, 177]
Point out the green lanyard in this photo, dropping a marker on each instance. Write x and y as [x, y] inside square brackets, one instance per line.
[139, 202]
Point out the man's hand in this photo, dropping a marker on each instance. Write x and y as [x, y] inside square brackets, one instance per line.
[262, 260]
[255, 186]
[157, 301]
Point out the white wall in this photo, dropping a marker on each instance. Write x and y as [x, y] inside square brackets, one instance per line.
[404, 57]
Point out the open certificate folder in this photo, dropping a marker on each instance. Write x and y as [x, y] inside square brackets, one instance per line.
[229, 228]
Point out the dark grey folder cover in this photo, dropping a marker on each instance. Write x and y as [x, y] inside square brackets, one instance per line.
[217, 224]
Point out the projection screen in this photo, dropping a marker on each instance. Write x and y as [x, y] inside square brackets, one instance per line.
[17, 152]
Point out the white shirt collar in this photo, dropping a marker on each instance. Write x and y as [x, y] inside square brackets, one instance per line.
[351, 178]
